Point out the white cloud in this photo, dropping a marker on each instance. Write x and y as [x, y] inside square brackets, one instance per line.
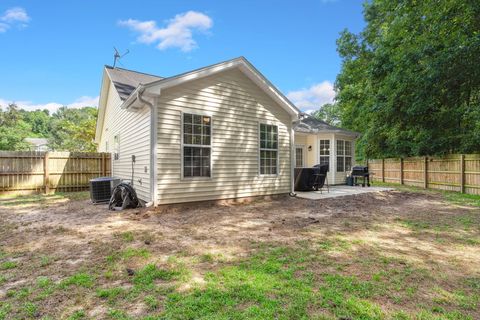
[14, 17]
[311, 99]
[177, 34]
[84, 101]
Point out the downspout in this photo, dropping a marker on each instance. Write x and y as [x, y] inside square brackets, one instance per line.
[153, 147]
[295, 124]
[292, 157]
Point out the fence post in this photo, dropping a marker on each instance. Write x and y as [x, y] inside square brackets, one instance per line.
[425, 172]
[383, 170]
[45, 173]
[103, 164]
[462, 173]
[401, 170]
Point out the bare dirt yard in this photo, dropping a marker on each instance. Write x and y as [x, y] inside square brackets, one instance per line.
[404, 254]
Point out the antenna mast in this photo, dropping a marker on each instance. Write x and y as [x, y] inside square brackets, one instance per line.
[117, 56]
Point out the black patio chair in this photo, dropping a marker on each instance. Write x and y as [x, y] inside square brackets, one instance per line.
[321, 171]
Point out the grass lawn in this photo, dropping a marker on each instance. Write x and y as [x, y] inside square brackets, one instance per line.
[407, 254]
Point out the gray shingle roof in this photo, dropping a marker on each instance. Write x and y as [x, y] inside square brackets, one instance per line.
[125, 81]
[310, 124]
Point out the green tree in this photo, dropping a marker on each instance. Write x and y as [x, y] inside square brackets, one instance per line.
[330, 113]
[13, 129]
[67, 129]
[40, 122]
[410, 81]
[73, 129]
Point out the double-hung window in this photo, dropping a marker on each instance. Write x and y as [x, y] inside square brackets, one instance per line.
[348, 155]
[268, 149]
[344, 156]
[197, 145]
[340, 156]
[324, 152]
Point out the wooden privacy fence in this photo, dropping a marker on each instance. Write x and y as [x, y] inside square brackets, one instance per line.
[33, 171]
[457, 172]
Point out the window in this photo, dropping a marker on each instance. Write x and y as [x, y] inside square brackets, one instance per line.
[325, 152]
[268, 149]
[344, 156]
[116, 147]
[196, 145]
[340, 156]
[348, 155]
[106, 146]
[299, 157]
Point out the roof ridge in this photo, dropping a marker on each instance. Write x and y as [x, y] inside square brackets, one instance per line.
[178, 75]
[135, 71]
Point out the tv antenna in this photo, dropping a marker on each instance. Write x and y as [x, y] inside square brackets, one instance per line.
[117, 56]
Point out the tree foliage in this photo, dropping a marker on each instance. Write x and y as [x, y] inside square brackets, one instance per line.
[410, 81]
[74, 129]
[13, 129]
[67, 129]
[329, 113]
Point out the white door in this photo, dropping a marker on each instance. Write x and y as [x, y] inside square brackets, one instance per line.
[299, 156]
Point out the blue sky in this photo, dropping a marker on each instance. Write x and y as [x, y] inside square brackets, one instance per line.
[52, 52]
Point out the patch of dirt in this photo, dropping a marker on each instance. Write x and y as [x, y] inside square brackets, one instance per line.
[77, 235]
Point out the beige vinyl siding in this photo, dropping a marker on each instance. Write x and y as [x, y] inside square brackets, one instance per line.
[236, 106]
[301, 140]
[134, 131]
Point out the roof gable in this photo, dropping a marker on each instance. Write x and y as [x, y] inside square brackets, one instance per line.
[241, 63]
[126, 81]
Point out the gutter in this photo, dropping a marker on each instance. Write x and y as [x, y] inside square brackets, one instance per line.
[153, 144]
[134, 96]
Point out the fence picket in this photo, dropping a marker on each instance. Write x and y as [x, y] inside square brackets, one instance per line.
[451, 172]
[50, 171]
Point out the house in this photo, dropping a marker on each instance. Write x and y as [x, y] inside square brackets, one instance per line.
[37, 144]
[219, 132]
[317, 142]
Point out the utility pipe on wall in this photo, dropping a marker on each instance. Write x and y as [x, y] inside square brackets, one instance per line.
[153, 147]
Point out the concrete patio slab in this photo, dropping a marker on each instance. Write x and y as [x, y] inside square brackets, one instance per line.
[339, 191]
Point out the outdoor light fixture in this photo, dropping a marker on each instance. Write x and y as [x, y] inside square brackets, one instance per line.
[309, 148]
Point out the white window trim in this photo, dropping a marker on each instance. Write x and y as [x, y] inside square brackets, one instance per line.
[344, 155]
[330, 156]
[195, 112]
[300, 146]
[269, 123]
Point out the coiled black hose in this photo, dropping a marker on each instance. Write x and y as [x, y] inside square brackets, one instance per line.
[123, 197]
